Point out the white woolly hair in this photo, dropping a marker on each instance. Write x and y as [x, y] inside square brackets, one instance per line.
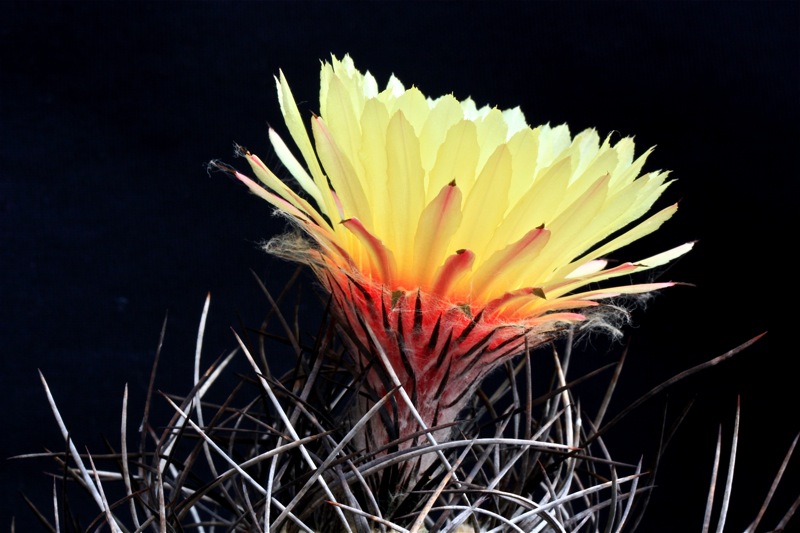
[293, 246]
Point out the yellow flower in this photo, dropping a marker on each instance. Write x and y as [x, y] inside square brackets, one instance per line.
[467, 204]
[456, 234]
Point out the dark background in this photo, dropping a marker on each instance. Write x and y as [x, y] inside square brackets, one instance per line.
[109, 113]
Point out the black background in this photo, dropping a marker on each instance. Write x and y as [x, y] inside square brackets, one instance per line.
[110, 111]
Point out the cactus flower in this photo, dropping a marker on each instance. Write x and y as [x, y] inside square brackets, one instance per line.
[453, 236]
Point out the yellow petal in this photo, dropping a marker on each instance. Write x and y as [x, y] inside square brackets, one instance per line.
[538, 206]
[665, 257]
[492, 131]
[457, 158]
[374, 123]
[405, 185]
[414, 107]
[437, 225]
[342, 121]
[297, 129]
[587, 268]
[642, 229]
[341, 173]
[295, 168]
[502, 270]
[444, 114]
[567, 232]
[524, 148]
[553, 142]
[485, 203]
